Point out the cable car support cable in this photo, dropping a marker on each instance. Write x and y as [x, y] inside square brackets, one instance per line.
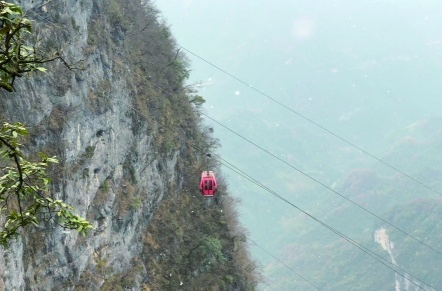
[364, 249]
[325, 186]
[312, 122]
[300, 171]
[354, 243]
[312, 178]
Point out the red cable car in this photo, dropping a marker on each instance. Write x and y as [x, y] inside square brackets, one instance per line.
[208, 184]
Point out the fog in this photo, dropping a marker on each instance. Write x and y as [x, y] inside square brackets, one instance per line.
[317, 99]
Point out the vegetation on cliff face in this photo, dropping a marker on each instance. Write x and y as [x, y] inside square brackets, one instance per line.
[169, 236]
[196, 244]
[191, 243]
[23, 183]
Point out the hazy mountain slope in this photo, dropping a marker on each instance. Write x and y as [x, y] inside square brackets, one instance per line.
[332, 263]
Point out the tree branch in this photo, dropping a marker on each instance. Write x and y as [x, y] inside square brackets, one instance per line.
[20, 179]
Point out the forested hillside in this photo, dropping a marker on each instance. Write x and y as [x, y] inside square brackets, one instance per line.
[403, 251]
[125, 126]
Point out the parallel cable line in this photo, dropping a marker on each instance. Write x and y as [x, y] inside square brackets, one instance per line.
[364, 249]
[353, 242]
[324, 185]
[313, 122]
[293, 167]
[312, 178]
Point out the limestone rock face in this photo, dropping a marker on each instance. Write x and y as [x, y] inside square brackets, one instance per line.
[110, 168]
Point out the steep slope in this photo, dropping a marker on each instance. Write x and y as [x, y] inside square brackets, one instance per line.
[128, 138]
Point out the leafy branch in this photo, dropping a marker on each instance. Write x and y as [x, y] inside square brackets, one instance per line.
[24, 189]
[24, 185]
[17, 56]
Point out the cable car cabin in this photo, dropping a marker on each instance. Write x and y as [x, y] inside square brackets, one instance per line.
[208, 184]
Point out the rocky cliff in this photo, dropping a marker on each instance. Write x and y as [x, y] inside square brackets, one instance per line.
[130, 142]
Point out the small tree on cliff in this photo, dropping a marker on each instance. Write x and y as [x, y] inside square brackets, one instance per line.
[24, 196]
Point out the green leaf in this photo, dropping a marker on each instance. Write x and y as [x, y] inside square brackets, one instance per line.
[5, 29]
[28, 48]
[46, 181]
